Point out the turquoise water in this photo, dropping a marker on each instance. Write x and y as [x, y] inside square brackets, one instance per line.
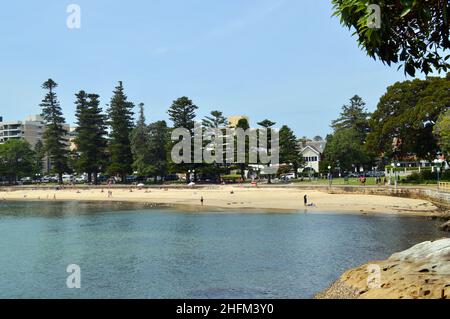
[132, 252]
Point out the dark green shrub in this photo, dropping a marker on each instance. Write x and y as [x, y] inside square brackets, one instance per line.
[446, 176]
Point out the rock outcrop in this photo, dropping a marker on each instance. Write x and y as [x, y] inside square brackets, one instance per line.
[445, 226]
[421, 272]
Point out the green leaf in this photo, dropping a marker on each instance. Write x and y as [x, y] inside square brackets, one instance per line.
[405, 12]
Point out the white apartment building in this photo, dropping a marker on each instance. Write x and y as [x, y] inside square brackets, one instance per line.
[31, 130]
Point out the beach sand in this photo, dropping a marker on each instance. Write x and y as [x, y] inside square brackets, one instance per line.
[235, 197]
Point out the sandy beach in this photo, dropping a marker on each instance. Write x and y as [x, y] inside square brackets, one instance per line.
[235, 197]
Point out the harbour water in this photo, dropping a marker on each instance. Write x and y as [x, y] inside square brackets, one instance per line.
[129, 251]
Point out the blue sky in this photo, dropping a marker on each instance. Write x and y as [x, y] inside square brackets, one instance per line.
[286, 60]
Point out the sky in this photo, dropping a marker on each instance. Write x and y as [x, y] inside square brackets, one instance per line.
[285, 60]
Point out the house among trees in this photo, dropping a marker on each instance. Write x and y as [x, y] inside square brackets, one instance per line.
[312, 153]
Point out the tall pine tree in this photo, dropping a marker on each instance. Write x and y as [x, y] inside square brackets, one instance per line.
[244, 125]
[120, 114]
[91, 132]
[289, 150]
[182, 114]
[159, 148]
[55, 135]
[354, 116]
[39, 155]
[267, 124]
[215, 120]
[140, 146]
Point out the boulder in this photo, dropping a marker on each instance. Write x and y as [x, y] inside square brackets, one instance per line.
[445, 226]
[423, 271]
[426, 251]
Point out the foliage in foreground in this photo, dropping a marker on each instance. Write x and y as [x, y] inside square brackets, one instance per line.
[414, 33]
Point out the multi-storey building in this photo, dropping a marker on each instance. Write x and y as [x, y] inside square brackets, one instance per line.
[30, 130]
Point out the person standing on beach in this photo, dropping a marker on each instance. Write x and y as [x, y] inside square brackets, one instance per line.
[201, 200]
[305, 200]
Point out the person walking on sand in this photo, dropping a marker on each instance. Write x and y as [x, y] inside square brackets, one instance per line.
[305, 200]
[201, 200]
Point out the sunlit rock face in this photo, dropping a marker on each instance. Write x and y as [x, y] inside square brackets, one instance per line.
[421, 272]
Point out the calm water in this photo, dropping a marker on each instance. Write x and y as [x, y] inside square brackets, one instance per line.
[131, 252]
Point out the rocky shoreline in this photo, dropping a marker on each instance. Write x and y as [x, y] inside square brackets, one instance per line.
[421, 272]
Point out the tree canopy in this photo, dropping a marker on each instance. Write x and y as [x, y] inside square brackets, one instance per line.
[140, 146]
[413, 33]
[159, 148]
[215, 120]
[354, 116]
[16, 160]
[408, 112]
[91, 131]
[182, 113]
[442, 131]
[121, 121]
[346, 146]
[55, 135]
[289, 149]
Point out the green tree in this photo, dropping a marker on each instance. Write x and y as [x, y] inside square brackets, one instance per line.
[55, 135]
[16, 160]
[344, 148]
[215, 120]
[182, 114]
[120, 114]
[267, 124]
[159, 148]
[408, 111]
[244, 125]
[39, 156]
[289, 149]
[442, 130]
[415, 33]
[354, 116]
[90, 138]
[140, 146]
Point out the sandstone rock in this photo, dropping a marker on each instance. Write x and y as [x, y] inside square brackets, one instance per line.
[421, 272]
[445, 226]
[429, 250]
